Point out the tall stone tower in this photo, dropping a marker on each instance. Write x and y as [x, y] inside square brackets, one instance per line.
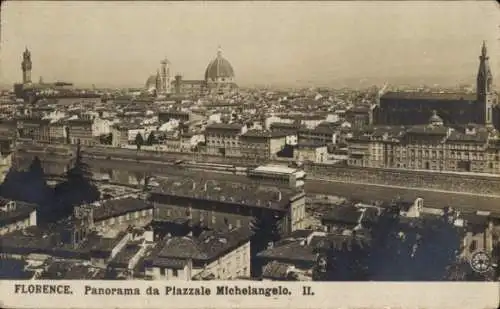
[26, 66]
[486, 97]
[165, 76]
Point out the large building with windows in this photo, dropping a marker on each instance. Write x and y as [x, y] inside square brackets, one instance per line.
[434, 146]
[223, 205]
[415, 108]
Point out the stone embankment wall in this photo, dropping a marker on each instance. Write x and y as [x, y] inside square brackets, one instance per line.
[467, 183]
[479, 184]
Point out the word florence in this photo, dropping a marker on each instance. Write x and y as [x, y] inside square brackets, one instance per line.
[187, 291]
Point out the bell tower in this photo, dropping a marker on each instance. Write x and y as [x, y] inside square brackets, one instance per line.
[485, 95]
[26, 66]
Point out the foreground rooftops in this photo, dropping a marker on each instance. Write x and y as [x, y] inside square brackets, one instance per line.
[13, 211]
[208, 246]
[117, 207]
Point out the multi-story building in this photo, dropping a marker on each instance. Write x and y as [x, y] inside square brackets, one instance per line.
[322, 134]
[16, 215]
[224, 139]
[261, 145]
[58, 132]
[360, 116]
[222, 205]
[121, 134]
[189, 140]
[118, 213]
[80, 132]
[33, 129]
[290, 129]
[8, 130]
[179, 115]
[210, 255]
[310, 151]
[471, 148]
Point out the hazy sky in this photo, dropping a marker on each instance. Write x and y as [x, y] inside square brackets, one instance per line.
[282, 43]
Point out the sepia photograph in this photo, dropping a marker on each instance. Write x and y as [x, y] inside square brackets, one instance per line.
[249, 149]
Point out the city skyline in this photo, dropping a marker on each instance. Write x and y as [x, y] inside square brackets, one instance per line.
[332, 44]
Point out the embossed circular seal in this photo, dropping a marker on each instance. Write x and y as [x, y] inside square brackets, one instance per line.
[480, 262]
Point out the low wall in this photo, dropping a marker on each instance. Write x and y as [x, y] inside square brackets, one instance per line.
[479, 184]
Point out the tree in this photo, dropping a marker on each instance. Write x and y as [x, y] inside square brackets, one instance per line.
[266, 230]
[139, 141]
[346, 259]
[77, 189]
[29, 186]
[151, 140]
[412, 250]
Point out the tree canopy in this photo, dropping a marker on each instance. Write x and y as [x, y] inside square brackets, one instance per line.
[77, 188]
[266, 230]
[400, 249]
[28, 186]
[139, 141]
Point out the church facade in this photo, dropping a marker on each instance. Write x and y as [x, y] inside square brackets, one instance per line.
[415, 108]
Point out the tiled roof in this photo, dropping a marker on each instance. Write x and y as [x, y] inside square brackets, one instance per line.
[263, 134]
[21, 211]
[118, 207]
[290, 250]
[428, 130]
[285, 125]
[276, 271]
[248, 194]
[478, 137]
[345, 214]
[208, 246]
[225, 126]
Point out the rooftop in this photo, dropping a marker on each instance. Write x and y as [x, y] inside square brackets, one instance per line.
[276, 270]
[125, 255]
[263, 134]
[478, 137]
[345, 214]
[428, 130]
[70, 271]
[18, 211]
[275, 169]
[250, 193]
[225, 126]
[429, 96]
[304, 249]
[117, 207]
[209, 246]
[285, 125]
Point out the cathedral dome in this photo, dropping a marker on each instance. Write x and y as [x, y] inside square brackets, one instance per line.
[218, 69]
[435, 119]
[153, 82]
